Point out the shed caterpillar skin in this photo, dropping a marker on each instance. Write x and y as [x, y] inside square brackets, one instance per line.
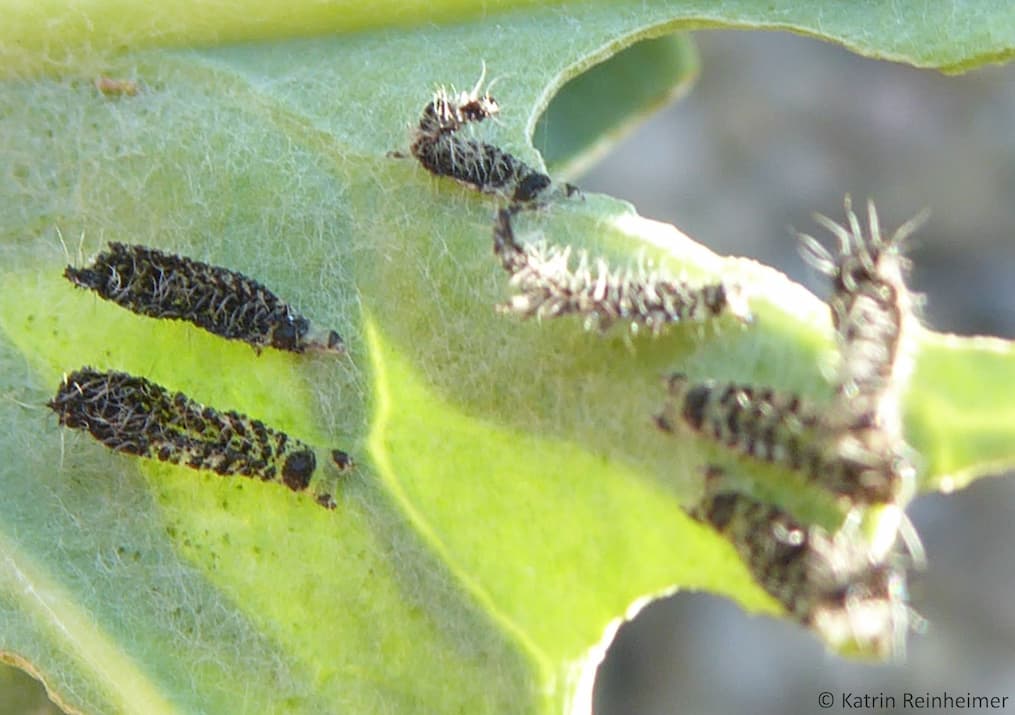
[476, 164]
[162, 285]
[873, 313]
[828, 583]
[783, 429]
[136, 416]
[547, 287]
[112, 87]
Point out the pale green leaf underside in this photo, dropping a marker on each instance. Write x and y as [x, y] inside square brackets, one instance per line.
[512, 497]
[44, 36]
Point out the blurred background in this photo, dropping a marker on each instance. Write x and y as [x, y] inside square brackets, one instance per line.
[777, 127]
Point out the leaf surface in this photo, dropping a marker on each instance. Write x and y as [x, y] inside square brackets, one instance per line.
[512, 498]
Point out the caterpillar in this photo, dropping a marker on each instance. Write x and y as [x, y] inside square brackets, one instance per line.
[547, 287]
[828, 583]
[136, 416]
[481, 166]
[873, 313]
[162, 285]
[783, 429]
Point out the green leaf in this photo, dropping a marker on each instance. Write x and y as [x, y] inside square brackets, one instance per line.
[956, 414]
[596, 108]
[512, 499]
